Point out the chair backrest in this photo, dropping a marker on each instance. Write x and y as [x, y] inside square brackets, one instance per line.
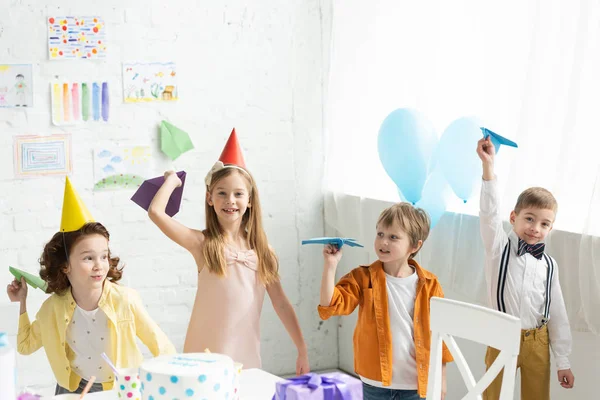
[451, 318]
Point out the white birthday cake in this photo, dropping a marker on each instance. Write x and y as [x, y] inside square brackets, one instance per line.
[207, 376]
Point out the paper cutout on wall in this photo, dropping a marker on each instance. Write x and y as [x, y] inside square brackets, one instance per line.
[149, 82]
[121, 167]
[79, 102]
[76, 38]
[42, 155]
[174, 141]
[16, 85]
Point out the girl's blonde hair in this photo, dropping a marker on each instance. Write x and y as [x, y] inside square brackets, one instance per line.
[254, 233]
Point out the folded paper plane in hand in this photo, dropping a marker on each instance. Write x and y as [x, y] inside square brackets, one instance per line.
[144, 195]
[497, 140]
[337, 241]
[174, 141]
[34, 281]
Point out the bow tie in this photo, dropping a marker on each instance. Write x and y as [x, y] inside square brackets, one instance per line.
[536, 250]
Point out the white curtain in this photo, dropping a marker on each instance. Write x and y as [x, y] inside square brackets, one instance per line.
[529, 69]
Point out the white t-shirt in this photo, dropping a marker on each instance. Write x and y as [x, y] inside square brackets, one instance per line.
[401, 294]
[87, 335]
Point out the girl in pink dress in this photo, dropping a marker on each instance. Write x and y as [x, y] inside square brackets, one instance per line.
[236, 265]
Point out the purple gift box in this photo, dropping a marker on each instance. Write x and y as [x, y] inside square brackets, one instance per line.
[330, 386]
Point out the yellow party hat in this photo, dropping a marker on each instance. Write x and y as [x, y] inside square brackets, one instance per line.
[74, 213]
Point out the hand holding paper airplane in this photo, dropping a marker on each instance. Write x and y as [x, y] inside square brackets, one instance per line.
[497, 140]
[147, 190]
[336, 241]
[34, 281]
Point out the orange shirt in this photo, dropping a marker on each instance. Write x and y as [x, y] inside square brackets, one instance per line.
[365, 287]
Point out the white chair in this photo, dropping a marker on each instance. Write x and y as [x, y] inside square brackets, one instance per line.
[451, 318]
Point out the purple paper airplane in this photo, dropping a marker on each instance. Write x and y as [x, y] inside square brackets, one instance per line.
[146, 192]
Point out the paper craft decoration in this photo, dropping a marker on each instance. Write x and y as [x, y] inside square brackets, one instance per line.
[497, 140]
[232, 152]
[336, 241]
[16, 85]
[231, 157]
[121, 167]
[34, 281]
[79, 102]
[144, 195]
[42, 155]
[74, 212]
[174, 141]
[149, 82]
[76, 38]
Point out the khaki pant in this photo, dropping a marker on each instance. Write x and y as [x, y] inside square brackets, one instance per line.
[534, 362]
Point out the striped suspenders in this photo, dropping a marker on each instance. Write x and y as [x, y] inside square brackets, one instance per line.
[502, 283]
[549, 275]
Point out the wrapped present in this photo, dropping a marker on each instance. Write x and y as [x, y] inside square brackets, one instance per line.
[330, 386]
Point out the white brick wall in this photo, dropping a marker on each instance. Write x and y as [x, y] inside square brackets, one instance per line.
[258, 66]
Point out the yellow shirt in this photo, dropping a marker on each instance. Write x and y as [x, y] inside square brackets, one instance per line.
[127, 318]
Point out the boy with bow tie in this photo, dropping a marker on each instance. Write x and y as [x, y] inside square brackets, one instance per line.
[523, 281]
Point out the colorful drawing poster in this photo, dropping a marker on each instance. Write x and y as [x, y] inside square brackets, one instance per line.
[16, 85]
[149, 82]
[79, 102]
[121, 167]
[76, 38]
[42, 155]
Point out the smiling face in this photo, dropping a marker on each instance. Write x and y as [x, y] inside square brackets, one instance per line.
[230, 198]
[532, 224]
[392, 244]
[88, 263]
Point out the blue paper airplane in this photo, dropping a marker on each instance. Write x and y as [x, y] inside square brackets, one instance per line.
[336, 241]
[497, 140]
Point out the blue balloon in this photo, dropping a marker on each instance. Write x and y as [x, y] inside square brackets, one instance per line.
[457, 158]
[406, 141]
[436, 194]
[402, 199]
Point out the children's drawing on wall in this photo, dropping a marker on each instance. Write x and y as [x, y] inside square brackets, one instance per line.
[16, 88]
[76, 38]
[149, 82]
[79, 102]
[121, 167]
[42, 155]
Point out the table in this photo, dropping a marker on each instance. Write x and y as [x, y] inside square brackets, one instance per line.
[255, 384]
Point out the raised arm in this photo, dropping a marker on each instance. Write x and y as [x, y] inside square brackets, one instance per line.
[29, 338]
[342, 298]
[490, 223]
[190, 239]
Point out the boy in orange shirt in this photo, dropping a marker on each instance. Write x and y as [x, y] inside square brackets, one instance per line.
[392, 335]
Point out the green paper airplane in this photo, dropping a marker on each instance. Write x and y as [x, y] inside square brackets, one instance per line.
[34, 281]
[173, 141]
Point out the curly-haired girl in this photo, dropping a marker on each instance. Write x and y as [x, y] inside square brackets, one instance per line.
[88, 313]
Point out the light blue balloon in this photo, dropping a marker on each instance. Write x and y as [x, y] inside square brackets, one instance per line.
[402, 199]
[457, 158]
[406, 141]
[436, 194]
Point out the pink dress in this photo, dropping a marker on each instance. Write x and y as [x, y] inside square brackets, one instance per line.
[226, 314]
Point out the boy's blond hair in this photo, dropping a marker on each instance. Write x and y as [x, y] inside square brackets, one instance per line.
[536, 197]
[412, 220]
